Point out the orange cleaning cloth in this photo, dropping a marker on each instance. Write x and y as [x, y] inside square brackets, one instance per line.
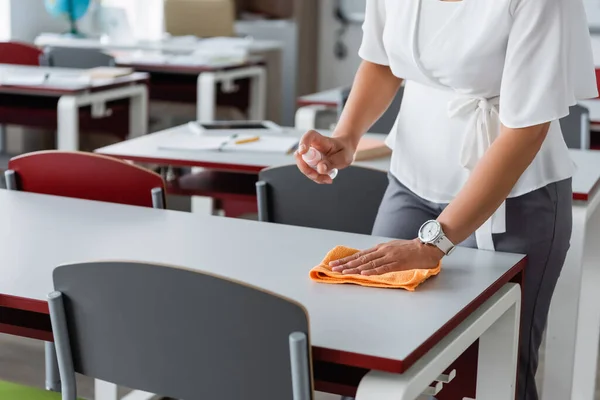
[408, 280]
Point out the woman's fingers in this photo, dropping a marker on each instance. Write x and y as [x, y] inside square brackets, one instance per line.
[314, 139]
[380, 270]
[373, 264]
[343, 261]
[310, 172]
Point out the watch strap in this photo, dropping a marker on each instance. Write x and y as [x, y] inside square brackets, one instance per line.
[444, 244]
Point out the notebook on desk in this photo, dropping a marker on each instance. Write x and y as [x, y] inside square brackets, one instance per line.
[243, 143]
[55, 79]
[108, 72]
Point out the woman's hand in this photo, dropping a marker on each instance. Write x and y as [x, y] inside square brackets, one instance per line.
[338, 152]
[398, 255]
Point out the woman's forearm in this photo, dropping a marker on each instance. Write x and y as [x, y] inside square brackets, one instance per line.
[492, 180]
[374, 88]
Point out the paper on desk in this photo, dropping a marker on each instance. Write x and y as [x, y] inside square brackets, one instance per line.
[17, 78]
[266, 144]
[66, 79]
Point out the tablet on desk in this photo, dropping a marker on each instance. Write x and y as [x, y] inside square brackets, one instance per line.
[233, 127]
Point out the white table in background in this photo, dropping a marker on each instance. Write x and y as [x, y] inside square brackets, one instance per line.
[427, 329]
[574, 322]
[209, 76]
[148, 149]
[72, 95]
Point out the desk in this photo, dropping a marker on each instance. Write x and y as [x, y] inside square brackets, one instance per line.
[574, 321]
[70, 97]
[236, 192]
[269, 50]
[146, 149]
[165, 85]
[455, 308]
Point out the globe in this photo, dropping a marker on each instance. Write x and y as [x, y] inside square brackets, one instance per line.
[72, 10]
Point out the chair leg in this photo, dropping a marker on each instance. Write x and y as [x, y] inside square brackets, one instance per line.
[52, 375]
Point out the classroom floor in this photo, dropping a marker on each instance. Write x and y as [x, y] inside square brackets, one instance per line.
[22, 361]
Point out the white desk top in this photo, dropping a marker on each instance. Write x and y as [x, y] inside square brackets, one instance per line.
[146, 149]
[40, 232]
[59, 79]
[181, 45]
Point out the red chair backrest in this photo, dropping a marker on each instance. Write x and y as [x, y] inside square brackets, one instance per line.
[85, 176]
[19, 53]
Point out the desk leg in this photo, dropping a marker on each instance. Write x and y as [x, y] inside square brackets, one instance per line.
[563, 317]
[258, 96]
[68, 124]
[498, 354]
[574, 320]
[495, 323]
[206, 102]
[138, 113]
[52, 375]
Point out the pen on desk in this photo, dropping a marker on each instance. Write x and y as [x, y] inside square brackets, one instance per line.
[248, 140]
[294, 148]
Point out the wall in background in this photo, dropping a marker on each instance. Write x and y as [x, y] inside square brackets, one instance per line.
[592, 8]
[29, 18]
[332, 71]
[4, 20]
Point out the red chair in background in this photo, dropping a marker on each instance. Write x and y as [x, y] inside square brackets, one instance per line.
[19, 53]
[85, 176]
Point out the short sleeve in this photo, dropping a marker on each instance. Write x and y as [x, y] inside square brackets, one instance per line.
[549, 63]
[372, 48]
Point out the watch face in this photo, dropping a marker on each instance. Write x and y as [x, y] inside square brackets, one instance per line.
[429, 231]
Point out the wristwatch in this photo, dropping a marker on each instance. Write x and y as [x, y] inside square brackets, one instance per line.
[431, 233]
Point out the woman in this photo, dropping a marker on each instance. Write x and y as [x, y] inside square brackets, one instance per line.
[478, 154]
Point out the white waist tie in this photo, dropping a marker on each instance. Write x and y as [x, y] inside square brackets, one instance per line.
[483, 128]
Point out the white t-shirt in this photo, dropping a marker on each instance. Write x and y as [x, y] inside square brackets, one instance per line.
[470, 66]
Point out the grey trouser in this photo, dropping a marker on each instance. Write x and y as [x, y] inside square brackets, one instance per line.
[537, 224]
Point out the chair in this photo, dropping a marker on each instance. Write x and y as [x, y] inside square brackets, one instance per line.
[76, 58]
[85, 176]
[350, 204]
[182, 333]
[19, 53]
[576, 128]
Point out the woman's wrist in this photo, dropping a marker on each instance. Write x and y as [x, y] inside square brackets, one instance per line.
[348, 137]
